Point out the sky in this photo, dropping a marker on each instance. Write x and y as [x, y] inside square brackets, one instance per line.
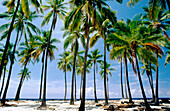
[55, 77]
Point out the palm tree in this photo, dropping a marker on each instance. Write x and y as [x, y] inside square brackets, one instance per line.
[158, 20]
[121, 76]
[41, 46]
[25, 54]
[57, 9]
[108, 72]
[7, 58]
[94, 58]
[23, 25]
[72, 39]
[24, 74]
[11, 6]
[134, 43]
[65, 65]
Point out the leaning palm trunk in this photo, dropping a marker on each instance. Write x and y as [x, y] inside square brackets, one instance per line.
[3, 80]
[82, 105]
[73, 74]
[105, 89]
[10, 69]
[121, 79]
[153, 94]
[141, 84]
[8, 39]
[43, 104]
[127, 78]
[42, 75]
[20, 84]
[65, 84]
[156, 95]
[95, 95]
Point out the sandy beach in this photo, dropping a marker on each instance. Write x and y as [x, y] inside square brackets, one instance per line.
[28, 105]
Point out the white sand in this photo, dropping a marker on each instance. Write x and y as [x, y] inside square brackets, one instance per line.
[58, 105]
[65, 106]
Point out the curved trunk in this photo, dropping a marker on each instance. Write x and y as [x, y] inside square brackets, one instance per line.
[3, 80]
[127, 78]
[95, 95]
[82, 105]
[10, 69]
[8, 39]
[43, 104]
[20, 84]
[156, 92]
[73, 75]
[153, 94]
[75, 89]
[121, 76]
[105, 89]
[65, 84]
[141, 85]
[42, 75]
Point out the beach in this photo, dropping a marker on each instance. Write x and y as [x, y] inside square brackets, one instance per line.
[55, 105]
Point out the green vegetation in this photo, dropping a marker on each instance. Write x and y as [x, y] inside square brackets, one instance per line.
[139, 40]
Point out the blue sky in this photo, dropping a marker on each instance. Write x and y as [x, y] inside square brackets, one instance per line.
[55, 79]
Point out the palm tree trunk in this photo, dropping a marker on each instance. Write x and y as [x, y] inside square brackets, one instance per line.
[150, 81]
[42, 75]
[156, 95]
[65, 84]
[8, 39]
[3, 80]
[73, 74]
[125, 82]
[153, 94]
[95, 95]
[105, 89]
[75, 89]
[107, 86]
[127, 78]
[43, 104]
[121, 79]
[81, 87]
[82, 105]
[10, 69]
[141, 85]
[20, 84]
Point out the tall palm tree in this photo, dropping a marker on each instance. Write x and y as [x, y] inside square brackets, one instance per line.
[25, 54]
[11, 6]
[65, 65]
[95, 58]
[41, 46]
[158, 20]
[72, 39]
[22, 25]
[134, 43]
[57, 9]
[108, 72]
